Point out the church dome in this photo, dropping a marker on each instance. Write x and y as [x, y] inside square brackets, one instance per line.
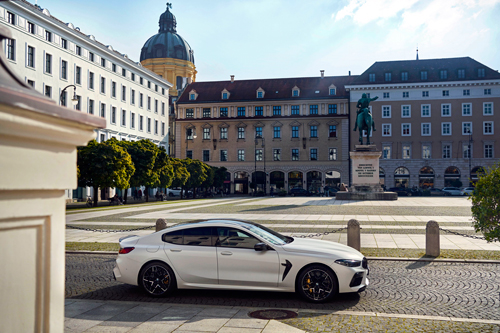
[167, 43]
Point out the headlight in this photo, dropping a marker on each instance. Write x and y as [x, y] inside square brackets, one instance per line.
[348, 262]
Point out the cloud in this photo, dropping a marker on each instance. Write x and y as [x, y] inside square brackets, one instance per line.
[363, 11]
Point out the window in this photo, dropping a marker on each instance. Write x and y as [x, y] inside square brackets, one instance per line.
[124, 93]
[113, 89]
[386, 111]
[466, 151]
[423, 75]
[241, 111]
[241, 132]
[48, 63]
[103, 85]
[259, 94]
[189, 113]
[124, 115]
[189, 134]
[258, 154]
[480, 72]
[162, 108]
[466, 92]
[141, 118]
[295, 93]
[206, 155]
[162, 128]
[141, 81]
[426, 151]
[91, 106]
[91, 80]
[31, 28]
[31, 83]
[487, 91]
[259, 111]
[64, 43]
[113, 115]
[64, 98]
[371, 77]
[276, 132]
[113, 67]
[48, 91]
[406, 94]
[466, 109]
[78, 75]
[11, 49]
[78, 50]
[206, 134]
[332, 154]
[313, 109]
[425, 110]
[446, 93]
[386, 153]
[295, 131]
[156, 87]
[313, 131]
[443, 74]
[149, 84]
[405, 111]
[388, 77]
[223, 155]
[149, 125]
[156, 127]
[103, 62]
[406, 152]
[276, 110]
[223, 133]
[223, 112]
[149, 103]
[404, 76]
[487, 127]
[189, 154]
[132, 120]
[64, 69]
[466, 128]
[426, 129]
[445, 128]
[132, 96]
[124, 73]
[48, 36]
[386, 95]
[258, 132]
[224, 95]
[332, 91]
[241, 155]
[91, 56]
[332, 108]
[332, 131]
[141, 98]
[156, 106]
[487, 109]
[313, 154]
[425, 94]
[295, 109]
[277, 154]
[461, 73]
[446, 151]
[295, 154]
[11, 18]
[445, 110]
[386, 129]
[132, 77]
[406, 129]
[488, 151]
[192, 97]
[207, 113]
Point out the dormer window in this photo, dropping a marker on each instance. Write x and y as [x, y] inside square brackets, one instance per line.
[193, 95]
[295, 91]
[225, 94]
[332, 90]
[260, 93]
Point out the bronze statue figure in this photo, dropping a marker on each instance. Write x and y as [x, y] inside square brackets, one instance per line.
[364, 119]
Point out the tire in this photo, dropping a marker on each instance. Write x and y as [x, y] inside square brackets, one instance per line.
[157, 279]
[317, 284]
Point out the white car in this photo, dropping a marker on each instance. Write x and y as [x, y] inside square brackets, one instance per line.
[239, 255]
[173, 192]
[452, 191]
[467, 190]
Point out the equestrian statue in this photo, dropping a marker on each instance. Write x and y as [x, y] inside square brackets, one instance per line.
[364, 119]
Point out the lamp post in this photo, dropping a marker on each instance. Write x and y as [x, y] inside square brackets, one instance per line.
[257, 137]
[74, 100]
[254, 178]
[470, 158]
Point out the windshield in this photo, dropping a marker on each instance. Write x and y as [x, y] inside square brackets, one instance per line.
[267, 234]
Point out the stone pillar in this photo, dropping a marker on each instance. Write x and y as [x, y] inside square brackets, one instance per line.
[354, 234]
[161, 224]
[432, 246]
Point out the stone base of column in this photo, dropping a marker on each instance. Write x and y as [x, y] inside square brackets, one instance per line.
[366, 196]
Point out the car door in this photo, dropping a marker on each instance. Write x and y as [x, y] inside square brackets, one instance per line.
[193, 254]
[240, 264]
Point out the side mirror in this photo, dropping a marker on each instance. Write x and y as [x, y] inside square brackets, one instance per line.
[260, 247]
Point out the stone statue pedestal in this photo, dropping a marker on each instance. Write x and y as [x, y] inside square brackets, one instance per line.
[365, 176]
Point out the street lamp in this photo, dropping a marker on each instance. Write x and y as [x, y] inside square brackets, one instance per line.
[470, 158]
[257, 137]
[74, 100]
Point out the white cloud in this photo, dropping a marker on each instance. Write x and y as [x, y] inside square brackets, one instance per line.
[363, 11]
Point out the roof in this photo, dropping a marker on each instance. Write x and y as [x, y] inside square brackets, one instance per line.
[433, 68]
[274, 89]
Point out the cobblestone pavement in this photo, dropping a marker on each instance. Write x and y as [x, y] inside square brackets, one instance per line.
[411, 288]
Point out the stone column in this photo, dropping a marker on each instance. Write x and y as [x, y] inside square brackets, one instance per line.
[354, 234]
[432, 246]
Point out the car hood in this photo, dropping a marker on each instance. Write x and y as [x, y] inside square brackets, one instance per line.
[315, 246]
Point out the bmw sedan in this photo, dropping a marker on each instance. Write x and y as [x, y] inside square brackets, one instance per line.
[239, 255]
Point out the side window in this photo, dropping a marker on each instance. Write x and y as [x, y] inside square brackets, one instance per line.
[230, 237]
[198, 236]
[174, 237]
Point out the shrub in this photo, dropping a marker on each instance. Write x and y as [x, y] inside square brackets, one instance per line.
[486, 204]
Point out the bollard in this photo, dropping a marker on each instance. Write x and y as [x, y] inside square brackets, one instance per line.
[432, 246]
[353, 234]
[161, 224]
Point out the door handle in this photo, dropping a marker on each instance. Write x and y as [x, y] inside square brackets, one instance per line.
[226, 253]
[175, 250]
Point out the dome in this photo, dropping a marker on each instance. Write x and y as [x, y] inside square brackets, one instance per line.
[167, 43]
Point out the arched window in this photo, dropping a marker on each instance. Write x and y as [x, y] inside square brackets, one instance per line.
[426, 177]
[401, 177]
[452, 177]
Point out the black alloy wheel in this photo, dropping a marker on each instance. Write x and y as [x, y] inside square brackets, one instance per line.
[317, 284]
[157, 279]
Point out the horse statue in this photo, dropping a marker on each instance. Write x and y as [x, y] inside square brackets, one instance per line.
[364, 119]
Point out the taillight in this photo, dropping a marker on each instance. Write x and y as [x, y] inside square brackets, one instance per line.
[126, 250]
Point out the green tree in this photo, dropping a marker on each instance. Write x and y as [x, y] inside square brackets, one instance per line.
[181, 174]
[197, 174]
[163, 166]
[220, 177]
[104, 165]
[486, 204]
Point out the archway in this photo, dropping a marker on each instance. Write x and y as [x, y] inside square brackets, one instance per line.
[401, 177]
[277, 180]
[295, 179]
[475, 173]
[426, 177]
[452, 177]
[241, 182]
[314, 181]
[381, 177]
[332, 179]
[258, 182]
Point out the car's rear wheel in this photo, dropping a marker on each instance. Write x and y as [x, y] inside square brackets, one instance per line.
[157, 279]
[317, 284]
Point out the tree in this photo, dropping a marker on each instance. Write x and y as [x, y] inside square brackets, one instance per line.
[220, 177]
[486, 204]
[104, 165]
[181, 174]
[164, 168]
[197, 173]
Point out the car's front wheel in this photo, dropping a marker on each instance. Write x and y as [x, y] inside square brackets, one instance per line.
[157, 279]
[317, 284]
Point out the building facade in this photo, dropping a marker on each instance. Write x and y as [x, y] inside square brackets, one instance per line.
[270, 133]
[436, 120]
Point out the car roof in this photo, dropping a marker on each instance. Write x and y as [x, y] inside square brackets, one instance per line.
[211, 222]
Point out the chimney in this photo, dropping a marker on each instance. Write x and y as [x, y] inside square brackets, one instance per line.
[349, 73]
[322, 73]
[232, 78]
[189, 80]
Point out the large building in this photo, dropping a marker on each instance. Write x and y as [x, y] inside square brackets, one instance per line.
[269, 133]
[436, 120]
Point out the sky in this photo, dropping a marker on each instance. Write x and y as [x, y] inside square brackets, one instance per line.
[258, 39]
